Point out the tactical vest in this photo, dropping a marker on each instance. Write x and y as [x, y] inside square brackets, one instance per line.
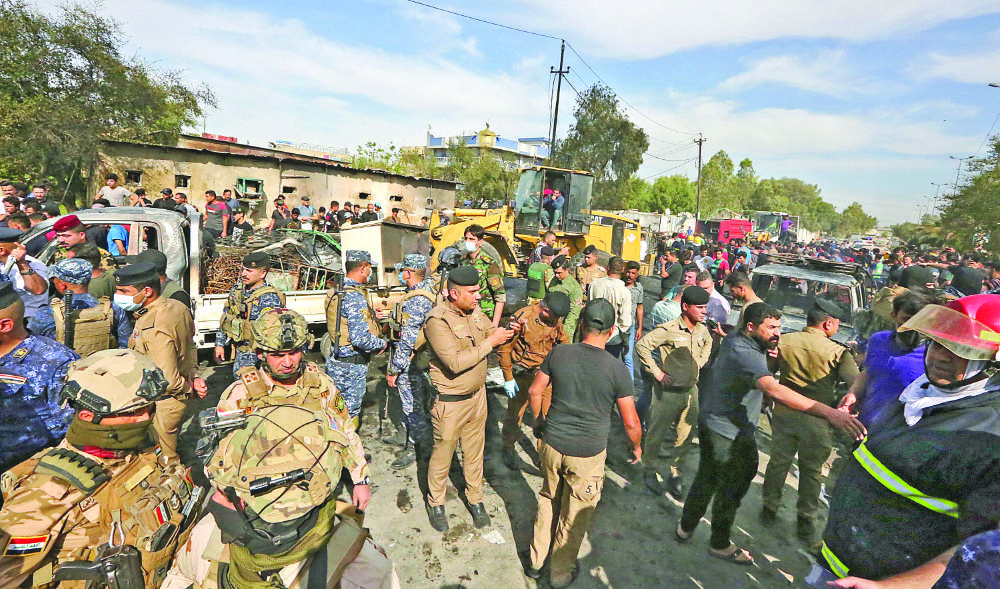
[236, 317]
[309, 393]
[94, 327]
[332, 310]
[536, 280]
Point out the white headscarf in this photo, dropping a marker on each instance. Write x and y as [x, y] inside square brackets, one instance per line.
[921, 393]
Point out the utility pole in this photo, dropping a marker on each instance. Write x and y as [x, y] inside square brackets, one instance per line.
[555, 117]
[697, 203]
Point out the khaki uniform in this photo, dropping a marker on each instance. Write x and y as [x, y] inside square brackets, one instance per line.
[587, 274]
[520, 359]
[164, 331]
[314, 390]
[680, 352]
[46, 520]
[811, 364]
[458, 350]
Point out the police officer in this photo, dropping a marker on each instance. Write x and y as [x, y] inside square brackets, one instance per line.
[353, 331]
[164, 331]
[282, 377]
[103, 481]
[491, 289]
[273, 505]
[171, 289]
[32, 369]
[810, 363]
[459, 337]
[406, 370]
[563, 281]
[110, 329]
[246, 302]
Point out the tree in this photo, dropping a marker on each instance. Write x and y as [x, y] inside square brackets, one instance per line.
[65, 86]
[717, 181]
[604, 142]
[853, 220]
[974, 208]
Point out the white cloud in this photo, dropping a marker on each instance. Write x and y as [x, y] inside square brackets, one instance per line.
[971, 68]
[826, 73]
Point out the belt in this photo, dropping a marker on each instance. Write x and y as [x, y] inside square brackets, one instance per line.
[355, 359]
[453, 398]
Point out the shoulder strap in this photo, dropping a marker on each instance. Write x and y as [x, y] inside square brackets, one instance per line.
[256, 388]
[78, 470]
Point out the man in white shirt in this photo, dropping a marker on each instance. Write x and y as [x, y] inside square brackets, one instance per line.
[718, 306]
[28, 275]
[117, 195]
[612, 288]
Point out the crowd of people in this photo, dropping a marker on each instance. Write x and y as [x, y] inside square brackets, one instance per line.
[99, 379]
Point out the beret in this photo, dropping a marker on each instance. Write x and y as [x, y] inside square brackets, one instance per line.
[8, 296]
[557, 302]
[464, 276]
[133, 274]
[694, 295]
[598, 314]
[559, 262]
[155, 257]
[257, 260]
[66, 223]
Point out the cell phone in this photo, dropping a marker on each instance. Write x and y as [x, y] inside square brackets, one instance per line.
[712, 323]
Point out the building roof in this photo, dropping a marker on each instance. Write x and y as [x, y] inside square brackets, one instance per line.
[268, 154]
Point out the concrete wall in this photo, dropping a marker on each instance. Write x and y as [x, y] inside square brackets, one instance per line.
[291, 178]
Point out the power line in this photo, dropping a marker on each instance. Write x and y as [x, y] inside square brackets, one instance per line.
[682, 164]
[988, 133]
[488, 22]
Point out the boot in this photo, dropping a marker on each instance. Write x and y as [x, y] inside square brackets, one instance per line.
[437, 517]
[396, 439]
[404, 458]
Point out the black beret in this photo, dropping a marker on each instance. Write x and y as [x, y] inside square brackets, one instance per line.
[464, 276]
[257, 260]
[694, 295]
[559, 262]
[8, 296]
[557, 302]
[10, 234]
[134, 274]
[830, 308]
[549, 251]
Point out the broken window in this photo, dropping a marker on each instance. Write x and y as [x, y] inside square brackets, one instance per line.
[364, 196]
[249, 186]
[287, 190]
[396, 198]
[133, 176]
[181, 181]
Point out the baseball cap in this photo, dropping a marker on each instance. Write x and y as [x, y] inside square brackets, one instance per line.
[598, 314]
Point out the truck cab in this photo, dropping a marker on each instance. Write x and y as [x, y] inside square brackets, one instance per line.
[576, 188]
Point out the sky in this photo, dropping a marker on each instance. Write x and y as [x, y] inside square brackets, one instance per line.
[870, 101]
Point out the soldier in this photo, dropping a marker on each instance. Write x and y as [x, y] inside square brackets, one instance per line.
[540, 275]
[540, 330]
[673, 353]
[170, 289]
[459, 337]
[273, 520]
[493, 296]
[810, 363]
[406, 370]
[283, 378]
[353, 332]
[164, 331]
[32, 369]
[102, 283]
[589, 270]
[563, 281]
[102, 484]
[109, 326]
[70, 232]
[246, 303]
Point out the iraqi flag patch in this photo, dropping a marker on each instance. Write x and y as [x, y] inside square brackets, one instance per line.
[23, 546]
[162, 513]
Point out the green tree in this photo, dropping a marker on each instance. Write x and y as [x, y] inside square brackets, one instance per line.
[853, 219]
[717, 185]
[489, 179]
[604, 142]
[974, 209]
[65, 86]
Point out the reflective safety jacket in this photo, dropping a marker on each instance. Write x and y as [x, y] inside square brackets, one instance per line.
[911, 493]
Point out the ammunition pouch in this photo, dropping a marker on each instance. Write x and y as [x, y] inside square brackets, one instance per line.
[333, 308]
[93, 328]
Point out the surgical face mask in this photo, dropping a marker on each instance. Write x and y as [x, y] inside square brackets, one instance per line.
[126, 302]
[470, 246]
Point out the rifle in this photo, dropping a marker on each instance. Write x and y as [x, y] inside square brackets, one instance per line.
[68, 320]
[116, 567]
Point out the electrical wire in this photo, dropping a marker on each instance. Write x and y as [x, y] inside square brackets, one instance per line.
[988, 133]
[484, 21]
[680, 165]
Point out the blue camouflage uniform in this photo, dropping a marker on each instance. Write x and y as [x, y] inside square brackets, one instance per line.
[349, 370]
[411, 384]
[31, 376]
[44, 322]
[265, 302]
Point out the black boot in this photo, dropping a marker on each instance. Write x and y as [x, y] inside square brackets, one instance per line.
[437, 517]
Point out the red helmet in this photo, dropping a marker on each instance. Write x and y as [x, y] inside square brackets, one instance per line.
[969, 326]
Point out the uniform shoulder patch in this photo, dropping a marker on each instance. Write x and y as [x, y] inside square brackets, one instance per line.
[312, 367]
[21, 353]
[251, 377]
[13, 379]
[25, 545]
[495, 282]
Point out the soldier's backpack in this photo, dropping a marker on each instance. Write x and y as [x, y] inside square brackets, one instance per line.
[94, 327]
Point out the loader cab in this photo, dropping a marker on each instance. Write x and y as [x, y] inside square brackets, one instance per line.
[576, 188]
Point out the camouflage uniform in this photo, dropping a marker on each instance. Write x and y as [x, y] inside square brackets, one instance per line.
[574, 291]
[412, 384]
[348, 364]
[60, 505]
[490, 281]
[31, 376]
[265, 449]
[262, 298]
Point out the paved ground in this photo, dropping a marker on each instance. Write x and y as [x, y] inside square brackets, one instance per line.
[630, 543]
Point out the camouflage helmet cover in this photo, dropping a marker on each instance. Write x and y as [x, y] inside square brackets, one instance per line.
[280, 329]
[278, 442]
[113, 381]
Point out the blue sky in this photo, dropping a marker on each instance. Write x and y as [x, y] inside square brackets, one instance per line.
[865, 99]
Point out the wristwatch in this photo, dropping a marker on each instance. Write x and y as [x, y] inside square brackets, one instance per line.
[364, 481]
[26, 271]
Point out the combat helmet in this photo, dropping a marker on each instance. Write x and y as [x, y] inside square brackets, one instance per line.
[110, 382]
[284, 461]
[278, 330]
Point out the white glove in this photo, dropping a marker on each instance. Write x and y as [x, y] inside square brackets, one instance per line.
[510, 387]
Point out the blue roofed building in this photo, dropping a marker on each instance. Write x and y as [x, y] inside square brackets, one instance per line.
[520, 152]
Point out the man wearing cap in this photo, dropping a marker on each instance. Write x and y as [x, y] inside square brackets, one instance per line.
[32, 369]
[539, 331]
[170, 289]
[563, 281]
[28, 275]
[407, 368]
[246, 302]
[307, 214]
[72, 275]
[459, 337]
[69, 232]
[491, 288]
[344, 216]
[587, 383]
[810, 363]
[164, 331]
[279, 216]
[350, 321]
[165, 194]
[672, 354]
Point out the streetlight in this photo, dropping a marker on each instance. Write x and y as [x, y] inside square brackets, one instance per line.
[959, 171]
[937, 192]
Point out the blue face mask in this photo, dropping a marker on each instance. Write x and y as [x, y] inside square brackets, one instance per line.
[126, 302]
